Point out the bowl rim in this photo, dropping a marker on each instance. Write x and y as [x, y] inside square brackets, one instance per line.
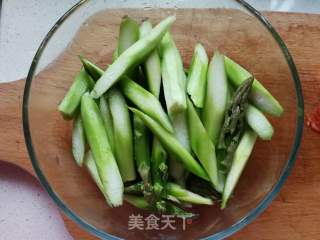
[253, 214]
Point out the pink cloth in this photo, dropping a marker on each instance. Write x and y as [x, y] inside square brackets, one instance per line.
[26, 211]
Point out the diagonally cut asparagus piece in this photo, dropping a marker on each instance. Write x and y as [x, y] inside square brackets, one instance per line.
[216, 97]
[143, 99]
[122, 134]
[99, 144]
[202, 146]
[260, 96]
[240, 159]
[78, 141]
[82, 83]
[134, 55]
[259, 123]
[197, 76]
[172, 145]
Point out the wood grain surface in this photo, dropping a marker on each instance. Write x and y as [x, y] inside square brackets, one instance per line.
[295, 213]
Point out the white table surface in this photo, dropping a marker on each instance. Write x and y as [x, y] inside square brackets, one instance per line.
[26, 211]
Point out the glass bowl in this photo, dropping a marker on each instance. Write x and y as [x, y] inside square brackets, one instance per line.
[91, 29]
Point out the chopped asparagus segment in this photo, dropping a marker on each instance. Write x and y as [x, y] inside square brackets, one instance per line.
[78, 141]
[141, 149]
[216, 98]
[259, 123]
[138, 202]
[187, 196]
[152, 65]
[240, 159]
[129, 34]
[107, 119]
[134, 55]
[172, 76]
[82, 83]
[93, 171]
[98, 141]
[202, 146]
[260, 96]
[197, 76]
[122, 135]
[143, 99]
[172, 145]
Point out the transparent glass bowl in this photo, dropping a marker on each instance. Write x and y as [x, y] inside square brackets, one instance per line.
[233, 27]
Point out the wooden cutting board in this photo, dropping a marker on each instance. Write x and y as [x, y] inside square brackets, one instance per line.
[295, 213]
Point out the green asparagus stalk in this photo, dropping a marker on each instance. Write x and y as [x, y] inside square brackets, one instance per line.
[202, 146]
[122, 135]
[260, 96]
[141, 149]
[152, 69]
[179, 212]
[138, 202]
[143, 99]
[98, 141]
[173, 82]
[234, 122]
[93, 171]
[180, 125]
[82, 83]
[240, 159]
[186, 196]
[107, 119]
[133, 56]
[78, 141]
[216, 97]
[129, 34]
[159, 168]
[139, 188]
[172, 144]
[197, 77]
[152, 66]
[259, 123]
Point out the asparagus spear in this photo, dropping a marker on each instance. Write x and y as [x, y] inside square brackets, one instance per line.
[72, 99]
[260, 96]
[197, 77]
[78, 141]
[134, 55]
[186, 196]
[107, 119]
[152, 63]
[152, 71]
[174, 84]
[172, 145]
[159, 168]
[141, 149]
[174, 89]
[99, 144]
[240, 159]
[93, 171]
[202, 146]
[138, 202]
[216, 98]
[141, 203]
[122, 135]
[174, 192]
[259, 123]
[233, 125]
[180, 125]
[143, 99]
[129, 34]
